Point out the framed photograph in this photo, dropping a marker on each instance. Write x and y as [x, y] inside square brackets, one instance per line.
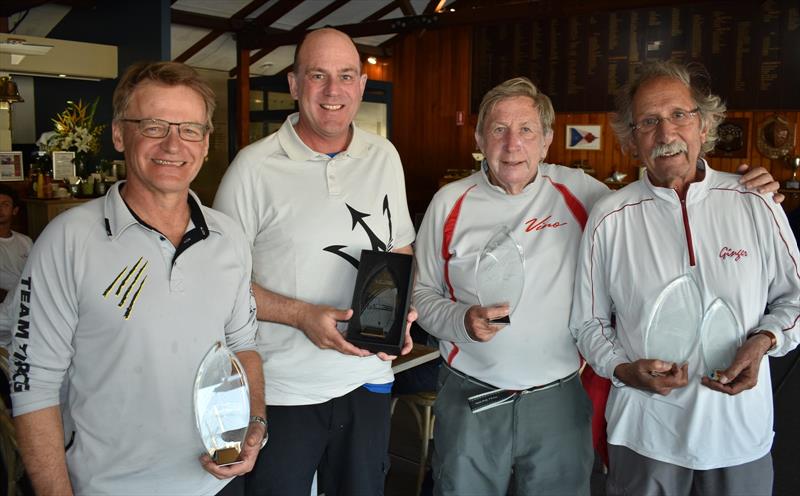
[63, 165]
[584, 137]
[11, 166]
[733, 136]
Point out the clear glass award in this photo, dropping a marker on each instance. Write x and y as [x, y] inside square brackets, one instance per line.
[500, 272]
[381, 297]
[222, 404]
[720, 338]
[674, 325]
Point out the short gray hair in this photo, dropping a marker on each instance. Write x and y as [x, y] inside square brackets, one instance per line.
[518, 86]
[694, 76]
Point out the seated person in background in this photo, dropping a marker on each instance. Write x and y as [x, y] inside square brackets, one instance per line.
[14, 248]
[678, 423]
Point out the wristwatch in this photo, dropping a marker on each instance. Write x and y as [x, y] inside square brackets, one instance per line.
[262, 421]
[773, 341]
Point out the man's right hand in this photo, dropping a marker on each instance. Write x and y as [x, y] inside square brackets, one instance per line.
[318, 323]
[477, 321]
[656, 376]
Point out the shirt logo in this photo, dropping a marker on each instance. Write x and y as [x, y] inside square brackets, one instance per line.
[536, 224]
[128, 284]
[736, 255]
[358, 221]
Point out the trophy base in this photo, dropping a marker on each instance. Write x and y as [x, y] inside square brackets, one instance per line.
[792, 184]
[226, 456]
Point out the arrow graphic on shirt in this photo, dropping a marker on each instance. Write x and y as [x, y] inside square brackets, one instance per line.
[374, 241]
[388, 214]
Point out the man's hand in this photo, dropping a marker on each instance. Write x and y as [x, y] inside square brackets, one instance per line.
[249, 454]
[408, 343]
[743, 372]
[657, 376]
[318, 323]
[477, 321]
[760, 180]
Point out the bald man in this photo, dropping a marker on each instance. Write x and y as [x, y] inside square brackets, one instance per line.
[310, 197]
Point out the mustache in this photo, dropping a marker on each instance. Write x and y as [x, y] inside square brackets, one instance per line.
[669, 149]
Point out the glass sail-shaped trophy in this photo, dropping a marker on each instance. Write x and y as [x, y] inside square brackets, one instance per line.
[672, 331]
[720, 338]
[500, 273]
[381, 298]
[222, 404]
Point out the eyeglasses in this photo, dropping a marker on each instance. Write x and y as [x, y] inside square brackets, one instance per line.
[679, 118]
[157, 128]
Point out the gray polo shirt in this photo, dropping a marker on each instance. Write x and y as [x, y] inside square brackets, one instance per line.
[109, 305]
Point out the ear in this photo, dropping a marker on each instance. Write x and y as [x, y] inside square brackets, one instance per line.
[116, 136]
[15, 210]
[292, 78]
[362, 85]
[548, 140]
[479, 141]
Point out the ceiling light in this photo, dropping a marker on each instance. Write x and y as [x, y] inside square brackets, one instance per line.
[372, 60]
[19, 46]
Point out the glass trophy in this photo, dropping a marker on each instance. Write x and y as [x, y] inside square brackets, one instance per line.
[500, 273]
[380, 301]
[672, 331]
[222, 404]
[720, 338]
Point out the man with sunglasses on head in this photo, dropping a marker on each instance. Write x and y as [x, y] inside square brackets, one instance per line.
[685, 252]
[122, 298]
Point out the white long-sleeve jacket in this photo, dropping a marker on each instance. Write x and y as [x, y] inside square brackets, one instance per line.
[738, 246]
[546, 219]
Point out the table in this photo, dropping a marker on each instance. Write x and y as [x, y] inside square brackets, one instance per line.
[418, 355]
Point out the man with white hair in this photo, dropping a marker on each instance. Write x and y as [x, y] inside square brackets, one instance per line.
[690, 240]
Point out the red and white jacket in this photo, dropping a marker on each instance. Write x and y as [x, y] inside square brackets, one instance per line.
[737, 245]
[547, 220]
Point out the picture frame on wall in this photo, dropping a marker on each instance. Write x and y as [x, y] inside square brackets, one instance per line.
[11, 166]
[584, 137]
[733, 135]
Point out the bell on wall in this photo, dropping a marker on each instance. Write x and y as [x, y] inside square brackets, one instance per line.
[9, 92]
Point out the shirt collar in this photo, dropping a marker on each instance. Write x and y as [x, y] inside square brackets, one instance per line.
[696, 192]
[300, 152]
[118, 217]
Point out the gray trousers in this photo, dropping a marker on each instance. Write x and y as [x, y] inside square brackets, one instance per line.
[542, 438]
[633, 474]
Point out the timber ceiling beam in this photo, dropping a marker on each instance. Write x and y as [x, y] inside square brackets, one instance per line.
[215, 33]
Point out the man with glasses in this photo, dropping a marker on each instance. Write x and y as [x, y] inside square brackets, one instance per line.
[121, 298]
[689, 254]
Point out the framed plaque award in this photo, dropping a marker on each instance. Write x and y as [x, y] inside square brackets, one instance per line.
[381, 298]
[222, 404]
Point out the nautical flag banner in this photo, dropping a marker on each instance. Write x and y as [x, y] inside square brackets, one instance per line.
[583, 137]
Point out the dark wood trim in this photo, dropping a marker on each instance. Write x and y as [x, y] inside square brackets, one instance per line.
[243, 96]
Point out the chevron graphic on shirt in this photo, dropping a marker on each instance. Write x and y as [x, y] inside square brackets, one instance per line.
[129, 283]
[375, 242]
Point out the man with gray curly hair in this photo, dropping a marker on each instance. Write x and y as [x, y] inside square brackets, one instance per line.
[675, 272]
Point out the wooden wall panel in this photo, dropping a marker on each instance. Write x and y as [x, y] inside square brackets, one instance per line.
[431, 76]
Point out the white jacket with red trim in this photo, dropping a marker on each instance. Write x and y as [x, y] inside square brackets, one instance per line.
[738, 246]
[546, 219]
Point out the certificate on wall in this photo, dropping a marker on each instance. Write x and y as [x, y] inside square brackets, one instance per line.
[63, 165]
[11, 166]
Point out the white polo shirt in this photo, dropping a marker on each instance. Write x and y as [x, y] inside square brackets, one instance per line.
[307, 217]
[108, 306]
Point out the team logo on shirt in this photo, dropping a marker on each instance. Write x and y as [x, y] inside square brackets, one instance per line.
[126, 287]
[732, 253]
[374, 240]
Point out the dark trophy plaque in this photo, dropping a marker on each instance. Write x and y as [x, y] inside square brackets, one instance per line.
[380, 301]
